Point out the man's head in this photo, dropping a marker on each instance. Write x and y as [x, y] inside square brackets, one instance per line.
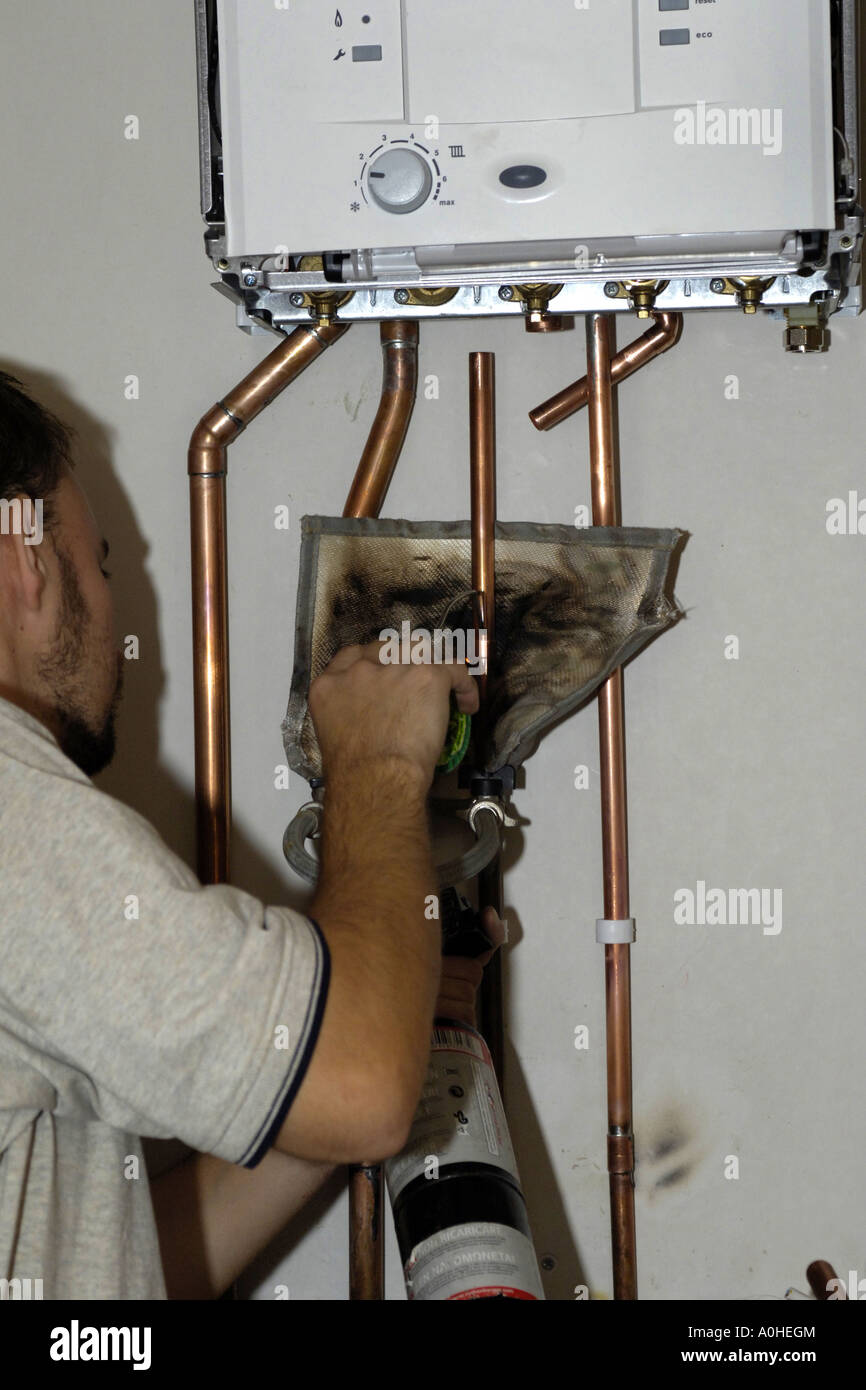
[58, 655]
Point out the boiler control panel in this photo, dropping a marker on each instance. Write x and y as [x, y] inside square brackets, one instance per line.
[386, 124]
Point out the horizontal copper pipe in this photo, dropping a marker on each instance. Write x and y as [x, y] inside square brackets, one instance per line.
[207, 469]
[399, 384]
[666, 331]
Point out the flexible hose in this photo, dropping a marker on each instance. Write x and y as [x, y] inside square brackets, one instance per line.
[485, 849]
[306, 824]
[302, 828]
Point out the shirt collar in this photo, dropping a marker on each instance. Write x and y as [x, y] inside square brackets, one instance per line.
[9, 710]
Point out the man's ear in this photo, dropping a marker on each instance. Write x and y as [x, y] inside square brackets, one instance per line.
[23, 568]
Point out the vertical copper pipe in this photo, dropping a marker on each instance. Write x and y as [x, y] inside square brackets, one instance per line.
[482, 467]
[399, 384]
[399, 338]
[207, 467]
[211, 682]
[620, 1141]
[366, 1236]
[666, 331]
[482, 472]
[820, 1275]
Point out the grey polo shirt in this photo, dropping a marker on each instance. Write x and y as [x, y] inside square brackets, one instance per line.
[133, 1002]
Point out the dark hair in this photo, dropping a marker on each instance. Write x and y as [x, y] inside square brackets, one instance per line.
[34, 445]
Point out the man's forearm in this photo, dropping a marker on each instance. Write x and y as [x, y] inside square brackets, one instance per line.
[377, 903]
[214, 1217]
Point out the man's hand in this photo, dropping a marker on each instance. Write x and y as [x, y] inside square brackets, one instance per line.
[364, 710]
[461, 977]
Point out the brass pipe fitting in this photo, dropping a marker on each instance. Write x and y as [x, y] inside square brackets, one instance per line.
[749, 289]
[641, 294]
[535, 299]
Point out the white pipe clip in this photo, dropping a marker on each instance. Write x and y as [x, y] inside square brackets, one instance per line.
[616, 933]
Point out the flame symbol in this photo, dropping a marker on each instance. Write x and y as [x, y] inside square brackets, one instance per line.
[339, 20]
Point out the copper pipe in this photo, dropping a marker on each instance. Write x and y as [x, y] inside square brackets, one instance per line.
[620, 1142]
[482, 468]
[820, 1275]
[666, 331]
[399, 384]
[207, 466]
[366, 1243]
[482, 471]
[399, 338]
[491, 1015]
[210, 671]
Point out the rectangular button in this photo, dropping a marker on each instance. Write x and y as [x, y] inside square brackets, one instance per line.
[673, 5]
[367, 53]
[668, 37]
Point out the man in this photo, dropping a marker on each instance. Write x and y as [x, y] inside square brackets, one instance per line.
[134, 1001]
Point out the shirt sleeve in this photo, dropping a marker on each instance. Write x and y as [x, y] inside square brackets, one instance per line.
[152, 1003]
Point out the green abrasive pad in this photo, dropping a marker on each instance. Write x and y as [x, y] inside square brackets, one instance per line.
[456, 740]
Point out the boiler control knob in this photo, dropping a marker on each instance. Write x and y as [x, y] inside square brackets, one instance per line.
[399, 180]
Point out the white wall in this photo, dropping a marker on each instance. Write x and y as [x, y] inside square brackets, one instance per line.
[747, 773]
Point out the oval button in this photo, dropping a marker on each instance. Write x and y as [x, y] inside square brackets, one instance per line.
[523, 176]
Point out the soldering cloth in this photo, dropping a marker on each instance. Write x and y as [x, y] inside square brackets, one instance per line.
[571, 605]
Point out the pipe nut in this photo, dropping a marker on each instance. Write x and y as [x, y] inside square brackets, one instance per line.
[489, 803]
[812, 337]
